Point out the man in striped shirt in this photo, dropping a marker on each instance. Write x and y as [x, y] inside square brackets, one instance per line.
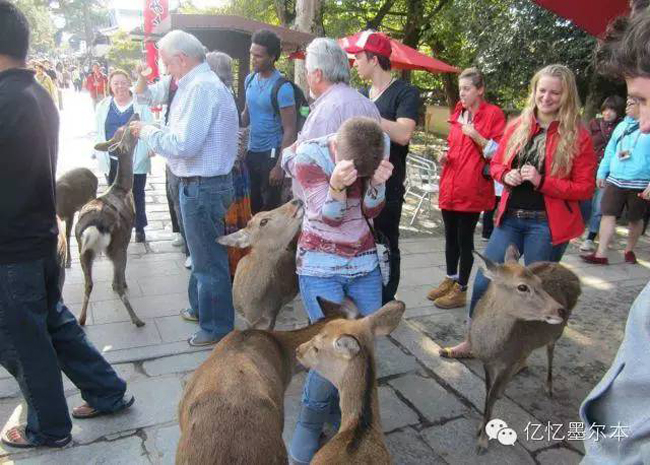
[200, 145]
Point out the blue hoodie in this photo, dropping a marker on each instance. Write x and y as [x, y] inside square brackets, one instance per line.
[633, 172]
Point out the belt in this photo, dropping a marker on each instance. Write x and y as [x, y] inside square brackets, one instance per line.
[188, 179]
[527, 214]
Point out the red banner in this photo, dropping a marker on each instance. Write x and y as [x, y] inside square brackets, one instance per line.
[155, 11]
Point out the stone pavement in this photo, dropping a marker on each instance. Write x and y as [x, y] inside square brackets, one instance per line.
[430, 406]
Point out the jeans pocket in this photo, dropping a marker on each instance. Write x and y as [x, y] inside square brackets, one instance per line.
[26, 281]
[190, 190]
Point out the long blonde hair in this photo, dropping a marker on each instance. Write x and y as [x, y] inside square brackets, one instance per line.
[568, 117]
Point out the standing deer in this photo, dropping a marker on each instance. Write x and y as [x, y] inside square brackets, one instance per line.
[61, 253]
[74, 189]
[266, 279]
[232, 410]
[105, 223]
[524, 308]
[343, 352]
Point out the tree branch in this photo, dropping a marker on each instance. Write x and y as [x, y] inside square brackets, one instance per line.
[375, 22]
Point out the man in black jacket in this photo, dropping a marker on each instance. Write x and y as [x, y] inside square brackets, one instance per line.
[39, 336]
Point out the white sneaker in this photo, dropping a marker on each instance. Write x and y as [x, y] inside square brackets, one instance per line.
[178, 241]
[188, 263]
[587, 245]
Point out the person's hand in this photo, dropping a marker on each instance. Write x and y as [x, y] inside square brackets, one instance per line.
[276, 176]
[143, 70]
[443, 159]
[382, 173]
[530, 173]
[470, 131]
[513, 178]
[135, 127]
[344, 175]
[600, 183]
[645, 195]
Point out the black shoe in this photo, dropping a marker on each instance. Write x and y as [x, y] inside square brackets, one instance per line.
[140, 237]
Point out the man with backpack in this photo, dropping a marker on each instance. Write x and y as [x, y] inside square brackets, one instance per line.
[272, 104]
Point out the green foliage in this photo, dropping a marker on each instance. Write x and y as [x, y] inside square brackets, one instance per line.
[42, 29]
[124, 53]
[83, 16]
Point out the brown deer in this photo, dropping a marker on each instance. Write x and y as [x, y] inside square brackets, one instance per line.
[232, 410]
[61, 253]
[74, 189]
[343, 352]
[105, 224]
[524, 308]
[265, 279]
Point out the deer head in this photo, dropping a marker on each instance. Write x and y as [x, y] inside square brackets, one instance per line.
[341, 341]
[123, 141]
[518, 292]
[272, 230]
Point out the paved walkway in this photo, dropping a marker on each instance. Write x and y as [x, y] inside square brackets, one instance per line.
[430, 406]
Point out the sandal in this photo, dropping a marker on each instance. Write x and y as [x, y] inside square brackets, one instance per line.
[449, 352]
[85, 411]
[17, 437]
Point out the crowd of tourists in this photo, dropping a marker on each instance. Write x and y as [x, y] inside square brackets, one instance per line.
[543, 176]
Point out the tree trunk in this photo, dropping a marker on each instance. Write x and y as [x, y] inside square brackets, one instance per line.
[307, 20]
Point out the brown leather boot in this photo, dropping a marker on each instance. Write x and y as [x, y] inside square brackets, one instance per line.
[456, 298]
[443, 288]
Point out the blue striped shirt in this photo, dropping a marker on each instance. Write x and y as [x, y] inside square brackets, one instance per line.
[200, 138]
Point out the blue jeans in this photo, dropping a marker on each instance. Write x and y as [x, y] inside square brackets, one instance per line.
[596, 214]
[533, 239]
[204, 202]
[320, 397]
[39, 337]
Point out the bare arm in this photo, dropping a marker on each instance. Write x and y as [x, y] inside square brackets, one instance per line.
[399, 131]
[245, 118]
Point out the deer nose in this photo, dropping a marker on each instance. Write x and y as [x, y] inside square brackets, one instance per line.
[561, 313]
[296, 202]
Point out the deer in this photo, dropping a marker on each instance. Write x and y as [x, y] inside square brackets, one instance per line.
[232, 409]
[105, 224]
[524, 308]
[61, 252]
[343, 352]
[74, 189]
[266, 279]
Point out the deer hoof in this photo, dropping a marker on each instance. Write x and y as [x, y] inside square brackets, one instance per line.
[68, 265]
[139, 323]
[481, 444]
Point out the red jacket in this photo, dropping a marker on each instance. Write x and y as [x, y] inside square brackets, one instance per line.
[561, 194]
[462, 184]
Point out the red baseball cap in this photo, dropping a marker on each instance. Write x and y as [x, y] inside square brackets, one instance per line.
[369, 41]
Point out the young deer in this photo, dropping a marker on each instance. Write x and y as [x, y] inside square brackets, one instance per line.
[266, 280]
[232, 410]
[73, 190]
[105, 223]
[524, 308]
[343, 352]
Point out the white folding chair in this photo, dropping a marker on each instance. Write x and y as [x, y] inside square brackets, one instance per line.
[421, 180]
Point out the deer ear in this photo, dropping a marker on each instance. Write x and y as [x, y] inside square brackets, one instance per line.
[489, 268]
[386, 319]
[347, 346]
[103, 146]
[346, 309]
[240, 239]
[512, 254]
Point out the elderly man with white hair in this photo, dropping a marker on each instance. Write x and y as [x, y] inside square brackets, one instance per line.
[328, 77]
[200, 145]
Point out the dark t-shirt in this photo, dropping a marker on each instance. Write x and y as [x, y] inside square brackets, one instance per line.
[29, 131]
[525, 196]
[399, 100]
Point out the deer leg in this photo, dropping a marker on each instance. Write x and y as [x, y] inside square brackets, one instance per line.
[550, 347]
[499, 381]
[86, 259]
[119, 284]
[68, 231]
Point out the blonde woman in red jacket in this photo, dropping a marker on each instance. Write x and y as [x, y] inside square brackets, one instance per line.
[546, 161]
[465, 186]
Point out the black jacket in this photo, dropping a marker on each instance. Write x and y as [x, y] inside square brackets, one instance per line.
[29, 140]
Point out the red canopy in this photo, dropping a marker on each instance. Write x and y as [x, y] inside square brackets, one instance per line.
[592, 16]
[402, 57]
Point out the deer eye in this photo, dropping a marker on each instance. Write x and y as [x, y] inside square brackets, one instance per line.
[315, 349]
[264, 221]
[523, 288]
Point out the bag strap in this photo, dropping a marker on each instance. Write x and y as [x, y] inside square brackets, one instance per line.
[274, 93]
